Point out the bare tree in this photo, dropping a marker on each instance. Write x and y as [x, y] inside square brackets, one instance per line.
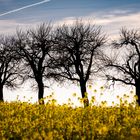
[9, 64]
[75, 53]
[126, 66]
[34, 48]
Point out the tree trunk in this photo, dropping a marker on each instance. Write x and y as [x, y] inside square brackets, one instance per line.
[40, 92]
[138, 92]
[84, 93]
[1, 93]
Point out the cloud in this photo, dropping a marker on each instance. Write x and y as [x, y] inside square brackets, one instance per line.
[24, 7]
[9, 27]
[111, 22]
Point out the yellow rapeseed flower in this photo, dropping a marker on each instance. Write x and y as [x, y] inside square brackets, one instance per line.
[90, 86]
[95, 91]
[103, 130]
[102, 88]
[74, 94]
[134, 131]
[136, 97]
[118, 96]
[131, 92]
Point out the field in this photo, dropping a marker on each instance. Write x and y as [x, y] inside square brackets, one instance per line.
[63, 122]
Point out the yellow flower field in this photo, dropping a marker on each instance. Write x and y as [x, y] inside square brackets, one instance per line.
[27, 121]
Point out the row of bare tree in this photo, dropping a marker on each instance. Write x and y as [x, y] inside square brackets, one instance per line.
[75, 52]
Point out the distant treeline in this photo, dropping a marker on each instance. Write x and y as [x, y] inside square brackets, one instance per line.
[78, 52]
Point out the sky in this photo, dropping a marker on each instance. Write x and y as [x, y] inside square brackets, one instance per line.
[110, 14]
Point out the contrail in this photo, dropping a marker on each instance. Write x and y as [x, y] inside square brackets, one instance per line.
[19, 9]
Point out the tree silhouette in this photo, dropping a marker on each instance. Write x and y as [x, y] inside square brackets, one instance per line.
[126, 65]
[9, 64]
[76, 52]
[34, 48]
